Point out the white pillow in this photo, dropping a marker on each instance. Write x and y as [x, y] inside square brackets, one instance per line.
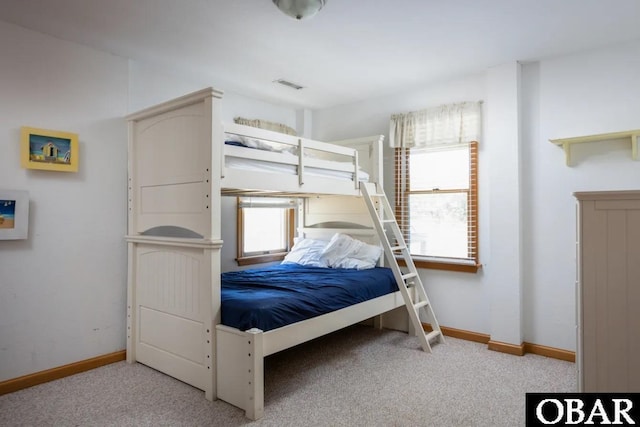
[343, 251]
[257, 143]
[306, 252]
[354, 263]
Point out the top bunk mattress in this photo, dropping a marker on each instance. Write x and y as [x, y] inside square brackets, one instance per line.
[276, 296]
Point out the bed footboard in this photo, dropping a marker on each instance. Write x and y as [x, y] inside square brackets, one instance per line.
[240, 362]
[240, 369]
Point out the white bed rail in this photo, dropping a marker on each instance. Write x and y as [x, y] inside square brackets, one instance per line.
[240, 367]
[281, 138]
[303, 154]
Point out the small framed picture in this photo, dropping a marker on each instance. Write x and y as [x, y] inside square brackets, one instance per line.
[14, 214]
[49, 150]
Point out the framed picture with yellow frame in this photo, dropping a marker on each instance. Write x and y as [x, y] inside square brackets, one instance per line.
[50, 150]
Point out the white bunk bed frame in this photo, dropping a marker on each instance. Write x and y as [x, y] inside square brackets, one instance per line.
[177, 176]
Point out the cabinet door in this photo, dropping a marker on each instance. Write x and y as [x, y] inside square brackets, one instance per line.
[610, 295]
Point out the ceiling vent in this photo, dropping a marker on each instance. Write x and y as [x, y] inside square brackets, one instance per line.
[289, 84]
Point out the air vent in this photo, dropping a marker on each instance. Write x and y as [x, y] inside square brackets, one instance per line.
[289, 84]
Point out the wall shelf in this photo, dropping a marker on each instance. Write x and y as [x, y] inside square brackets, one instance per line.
[566, 143]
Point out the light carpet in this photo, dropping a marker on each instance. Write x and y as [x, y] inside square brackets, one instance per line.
[359, 376]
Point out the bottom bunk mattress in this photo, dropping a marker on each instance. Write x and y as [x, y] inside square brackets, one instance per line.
[272, 297]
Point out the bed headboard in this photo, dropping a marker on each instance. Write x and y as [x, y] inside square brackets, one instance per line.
[370, 155]
[171, 165]
[337, 209]
[327, 230]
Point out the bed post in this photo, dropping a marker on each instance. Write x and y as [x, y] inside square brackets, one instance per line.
[131, 264]
[131, 305]
[212, 272]
[240, 369]
[255, 392]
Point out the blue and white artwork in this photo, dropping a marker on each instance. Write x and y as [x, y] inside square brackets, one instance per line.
[49, 149]
[7, 213]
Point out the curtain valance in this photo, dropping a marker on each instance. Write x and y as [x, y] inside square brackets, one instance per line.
[451, 124]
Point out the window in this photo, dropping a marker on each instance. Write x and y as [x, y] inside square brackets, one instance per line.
[436, 205]
[436, 176]
[265, 229]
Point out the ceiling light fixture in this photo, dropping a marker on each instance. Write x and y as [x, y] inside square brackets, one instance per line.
[300, 9]
[289, 84]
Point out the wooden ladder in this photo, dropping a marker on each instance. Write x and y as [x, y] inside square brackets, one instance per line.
[387, 226]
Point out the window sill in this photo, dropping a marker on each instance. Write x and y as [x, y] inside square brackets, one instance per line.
[261, 259]
[445, 264]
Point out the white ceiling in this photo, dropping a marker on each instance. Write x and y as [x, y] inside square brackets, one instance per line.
[351, 50]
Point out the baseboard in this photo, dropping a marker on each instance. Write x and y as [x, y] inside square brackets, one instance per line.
[30, 380]
[518, 350]
[503, 347]
[556, 353]
[459, 333]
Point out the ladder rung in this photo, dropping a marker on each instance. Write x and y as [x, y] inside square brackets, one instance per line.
[409, 276]
[387, 221]
[397, 248]
[432, 335]
[420, 304]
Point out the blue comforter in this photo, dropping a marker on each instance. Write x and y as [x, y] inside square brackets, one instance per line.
[272, 297]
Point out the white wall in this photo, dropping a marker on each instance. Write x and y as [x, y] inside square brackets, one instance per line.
[460, 300]
[149, 86]
[63, 290]
[583, 94]
[502, 138]
[587, 93]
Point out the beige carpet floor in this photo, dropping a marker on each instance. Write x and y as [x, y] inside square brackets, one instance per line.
[355, 377]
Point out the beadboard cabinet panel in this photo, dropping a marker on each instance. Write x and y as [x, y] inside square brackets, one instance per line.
[609, 291]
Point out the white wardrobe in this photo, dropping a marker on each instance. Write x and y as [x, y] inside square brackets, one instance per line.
[608, 301]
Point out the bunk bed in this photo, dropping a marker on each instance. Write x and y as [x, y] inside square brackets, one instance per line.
[179, 169]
